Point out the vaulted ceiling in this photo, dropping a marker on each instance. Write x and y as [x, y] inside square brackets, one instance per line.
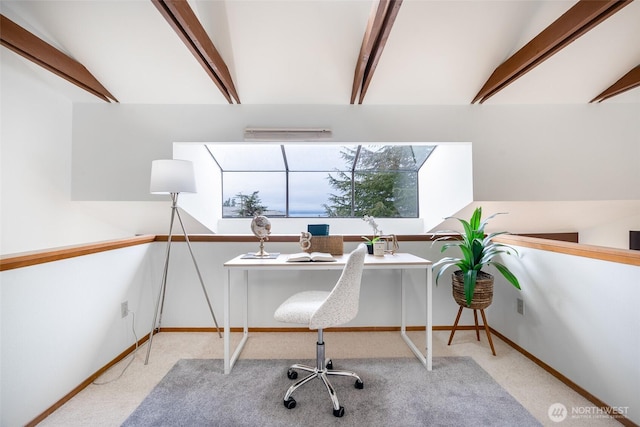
[372, 52]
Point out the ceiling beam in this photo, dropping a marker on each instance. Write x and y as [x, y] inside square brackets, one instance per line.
[25, 44]
[183, 20]
[627, 82]
[582, 17]
[373, 29]
[381, 20]
[378, 47]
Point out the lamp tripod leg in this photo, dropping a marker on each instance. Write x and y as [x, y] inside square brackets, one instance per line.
[163, 288]
[206, 295]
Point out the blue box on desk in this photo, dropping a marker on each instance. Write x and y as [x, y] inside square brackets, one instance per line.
[318, 229]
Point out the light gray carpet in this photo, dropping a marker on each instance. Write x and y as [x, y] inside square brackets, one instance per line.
[397, 392]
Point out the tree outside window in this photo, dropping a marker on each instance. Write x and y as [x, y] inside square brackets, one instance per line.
[321, 180]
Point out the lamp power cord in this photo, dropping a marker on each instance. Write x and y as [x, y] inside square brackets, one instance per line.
[132, 355]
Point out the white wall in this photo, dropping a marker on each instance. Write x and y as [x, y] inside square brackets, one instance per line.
[560, 155]
[336, 225]
[580, 318]
[607, 234]
[206, 204]
[35, 150]
[548, 152]
[61, 323]
[520, 152]
[446, 183]
[269, 289]
[76, 174]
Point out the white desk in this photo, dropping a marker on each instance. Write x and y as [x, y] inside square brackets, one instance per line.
[400, 261]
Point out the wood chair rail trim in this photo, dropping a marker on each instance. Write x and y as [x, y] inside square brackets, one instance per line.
[27, 259]
[554, 242]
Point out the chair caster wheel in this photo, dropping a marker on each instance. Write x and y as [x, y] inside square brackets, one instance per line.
[338, 412]
[292, 375]
[329, 364]
[291, 403]
[359, 384]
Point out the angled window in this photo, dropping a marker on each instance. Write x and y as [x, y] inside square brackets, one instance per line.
[328, 180]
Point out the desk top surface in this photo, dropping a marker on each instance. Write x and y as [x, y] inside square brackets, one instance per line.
[397, 260]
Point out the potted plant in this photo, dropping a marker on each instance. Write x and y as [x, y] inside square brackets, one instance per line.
[477, 250]
[376, 233]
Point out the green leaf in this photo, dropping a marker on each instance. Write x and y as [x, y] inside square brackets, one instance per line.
[507, 274]
[475, 218]
[444, 264]
[469, 285]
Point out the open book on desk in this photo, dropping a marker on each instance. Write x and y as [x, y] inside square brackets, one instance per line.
[313, 256]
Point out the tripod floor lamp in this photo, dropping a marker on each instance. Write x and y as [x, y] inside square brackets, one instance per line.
[173, 177]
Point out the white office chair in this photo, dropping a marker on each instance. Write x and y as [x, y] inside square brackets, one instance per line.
[319, 310]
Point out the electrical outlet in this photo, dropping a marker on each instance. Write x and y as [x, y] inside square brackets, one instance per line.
[520, 306]
[124, 309]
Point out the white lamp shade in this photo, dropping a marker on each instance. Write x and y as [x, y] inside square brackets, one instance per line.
[172, 176]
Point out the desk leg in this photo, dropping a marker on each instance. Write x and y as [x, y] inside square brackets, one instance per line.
[425, 360]
[246, 303]
[429, 329]
[229, 361]
[227, 329]
[403, 307]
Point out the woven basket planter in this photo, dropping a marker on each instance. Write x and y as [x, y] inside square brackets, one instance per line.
[482, 295]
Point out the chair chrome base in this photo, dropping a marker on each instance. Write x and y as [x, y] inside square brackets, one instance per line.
[323, 370]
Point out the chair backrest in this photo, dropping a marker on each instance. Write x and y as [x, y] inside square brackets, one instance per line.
[342, 303]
